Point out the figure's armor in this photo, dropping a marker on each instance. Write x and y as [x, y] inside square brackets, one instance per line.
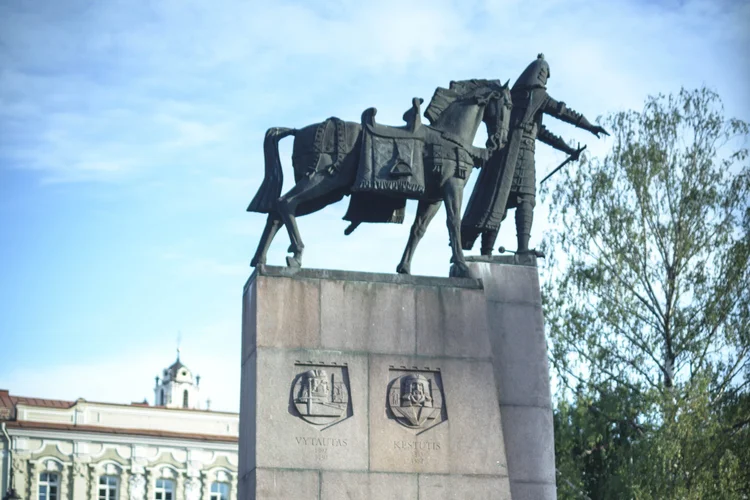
[524, 180]
[524, 177]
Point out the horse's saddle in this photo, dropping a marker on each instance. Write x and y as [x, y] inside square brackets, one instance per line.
[392, 165]
[391, 162]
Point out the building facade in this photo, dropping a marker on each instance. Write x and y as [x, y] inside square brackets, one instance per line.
[81, 450]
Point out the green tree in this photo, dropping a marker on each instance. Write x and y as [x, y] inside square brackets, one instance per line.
[596, 440]
[648, 308]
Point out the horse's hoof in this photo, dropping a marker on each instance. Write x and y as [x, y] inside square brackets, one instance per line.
[403, 269]
[460, 270]
[293, 262]
[257, 261]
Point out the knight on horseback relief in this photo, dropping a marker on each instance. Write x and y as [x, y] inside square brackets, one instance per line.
[381, 167]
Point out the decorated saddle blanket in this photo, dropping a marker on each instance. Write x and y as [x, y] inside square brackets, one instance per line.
[391, 162]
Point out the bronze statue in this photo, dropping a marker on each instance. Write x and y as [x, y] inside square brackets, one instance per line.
[508, 179]
[381, 167]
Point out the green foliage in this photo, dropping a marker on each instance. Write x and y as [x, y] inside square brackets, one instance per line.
[648, 308]
[596, 439]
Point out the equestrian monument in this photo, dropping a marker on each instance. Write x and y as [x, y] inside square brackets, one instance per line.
[372, 386]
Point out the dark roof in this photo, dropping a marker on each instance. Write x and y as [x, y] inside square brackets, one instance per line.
[174, 369]
[176, 365]
[8, 404]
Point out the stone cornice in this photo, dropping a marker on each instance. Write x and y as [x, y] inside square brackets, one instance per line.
[104, 437]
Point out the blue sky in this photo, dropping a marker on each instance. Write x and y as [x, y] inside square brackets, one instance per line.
[131, 143]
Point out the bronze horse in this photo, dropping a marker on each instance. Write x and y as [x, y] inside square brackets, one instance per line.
[328, 163]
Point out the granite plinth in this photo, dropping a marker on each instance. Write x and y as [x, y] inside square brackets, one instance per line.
[521, 367]
[370, 386]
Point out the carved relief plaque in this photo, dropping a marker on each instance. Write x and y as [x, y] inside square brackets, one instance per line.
[320, 393]
[415, 398]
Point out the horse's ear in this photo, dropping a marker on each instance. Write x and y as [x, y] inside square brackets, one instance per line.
[506, 83]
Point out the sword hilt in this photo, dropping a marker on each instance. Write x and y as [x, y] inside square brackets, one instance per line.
[533, 251]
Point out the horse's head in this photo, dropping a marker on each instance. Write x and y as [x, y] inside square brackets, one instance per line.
[497, 117]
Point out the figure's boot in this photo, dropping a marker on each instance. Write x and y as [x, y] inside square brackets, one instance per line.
[488, 241]
[524, 219]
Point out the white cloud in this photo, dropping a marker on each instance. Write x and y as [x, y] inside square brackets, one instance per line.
[249, 62]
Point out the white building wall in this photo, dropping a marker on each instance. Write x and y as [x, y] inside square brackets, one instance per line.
[4, 463]
[192, 466]
[95, 446]
[135, 417]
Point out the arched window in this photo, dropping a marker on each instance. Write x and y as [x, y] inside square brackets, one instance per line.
[49, 486]
[219, 491]
[108, 487]
[185, 398]
[161, 398]
[164, 489]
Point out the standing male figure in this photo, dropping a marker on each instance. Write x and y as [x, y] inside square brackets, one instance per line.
[508, 179]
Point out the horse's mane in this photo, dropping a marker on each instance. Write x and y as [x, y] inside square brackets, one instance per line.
[455, 92]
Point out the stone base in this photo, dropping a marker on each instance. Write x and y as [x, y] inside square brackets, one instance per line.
[344, 485]
[519, 347]
[373, 386]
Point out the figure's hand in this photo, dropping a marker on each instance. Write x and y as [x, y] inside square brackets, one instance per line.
[575, 155]
[599, 130]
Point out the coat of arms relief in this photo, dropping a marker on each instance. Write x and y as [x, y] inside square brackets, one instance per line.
[320, 393]
[415, 398]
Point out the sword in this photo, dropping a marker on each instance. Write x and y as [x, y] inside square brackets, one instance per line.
[568, 160]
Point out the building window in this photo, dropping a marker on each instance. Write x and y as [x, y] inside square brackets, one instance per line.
[49, 485]
[219, 491]
[164, 490]
[107, 488]
[162, 398]
[185, 398]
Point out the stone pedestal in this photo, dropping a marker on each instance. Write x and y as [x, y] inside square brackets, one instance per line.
[519, 354]
[364, 386]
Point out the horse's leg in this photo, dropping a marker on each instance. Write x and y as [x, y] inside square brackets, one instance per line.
[425, 212]
[453, 194]
[273, 224]
[309, 188]
[287, 206]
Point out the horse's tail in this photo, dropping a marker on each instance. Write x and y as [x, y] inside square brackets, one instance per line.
[270, 190]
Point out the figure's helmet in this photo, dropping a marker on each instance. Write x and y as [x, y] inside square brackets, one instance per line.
[534, 76]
